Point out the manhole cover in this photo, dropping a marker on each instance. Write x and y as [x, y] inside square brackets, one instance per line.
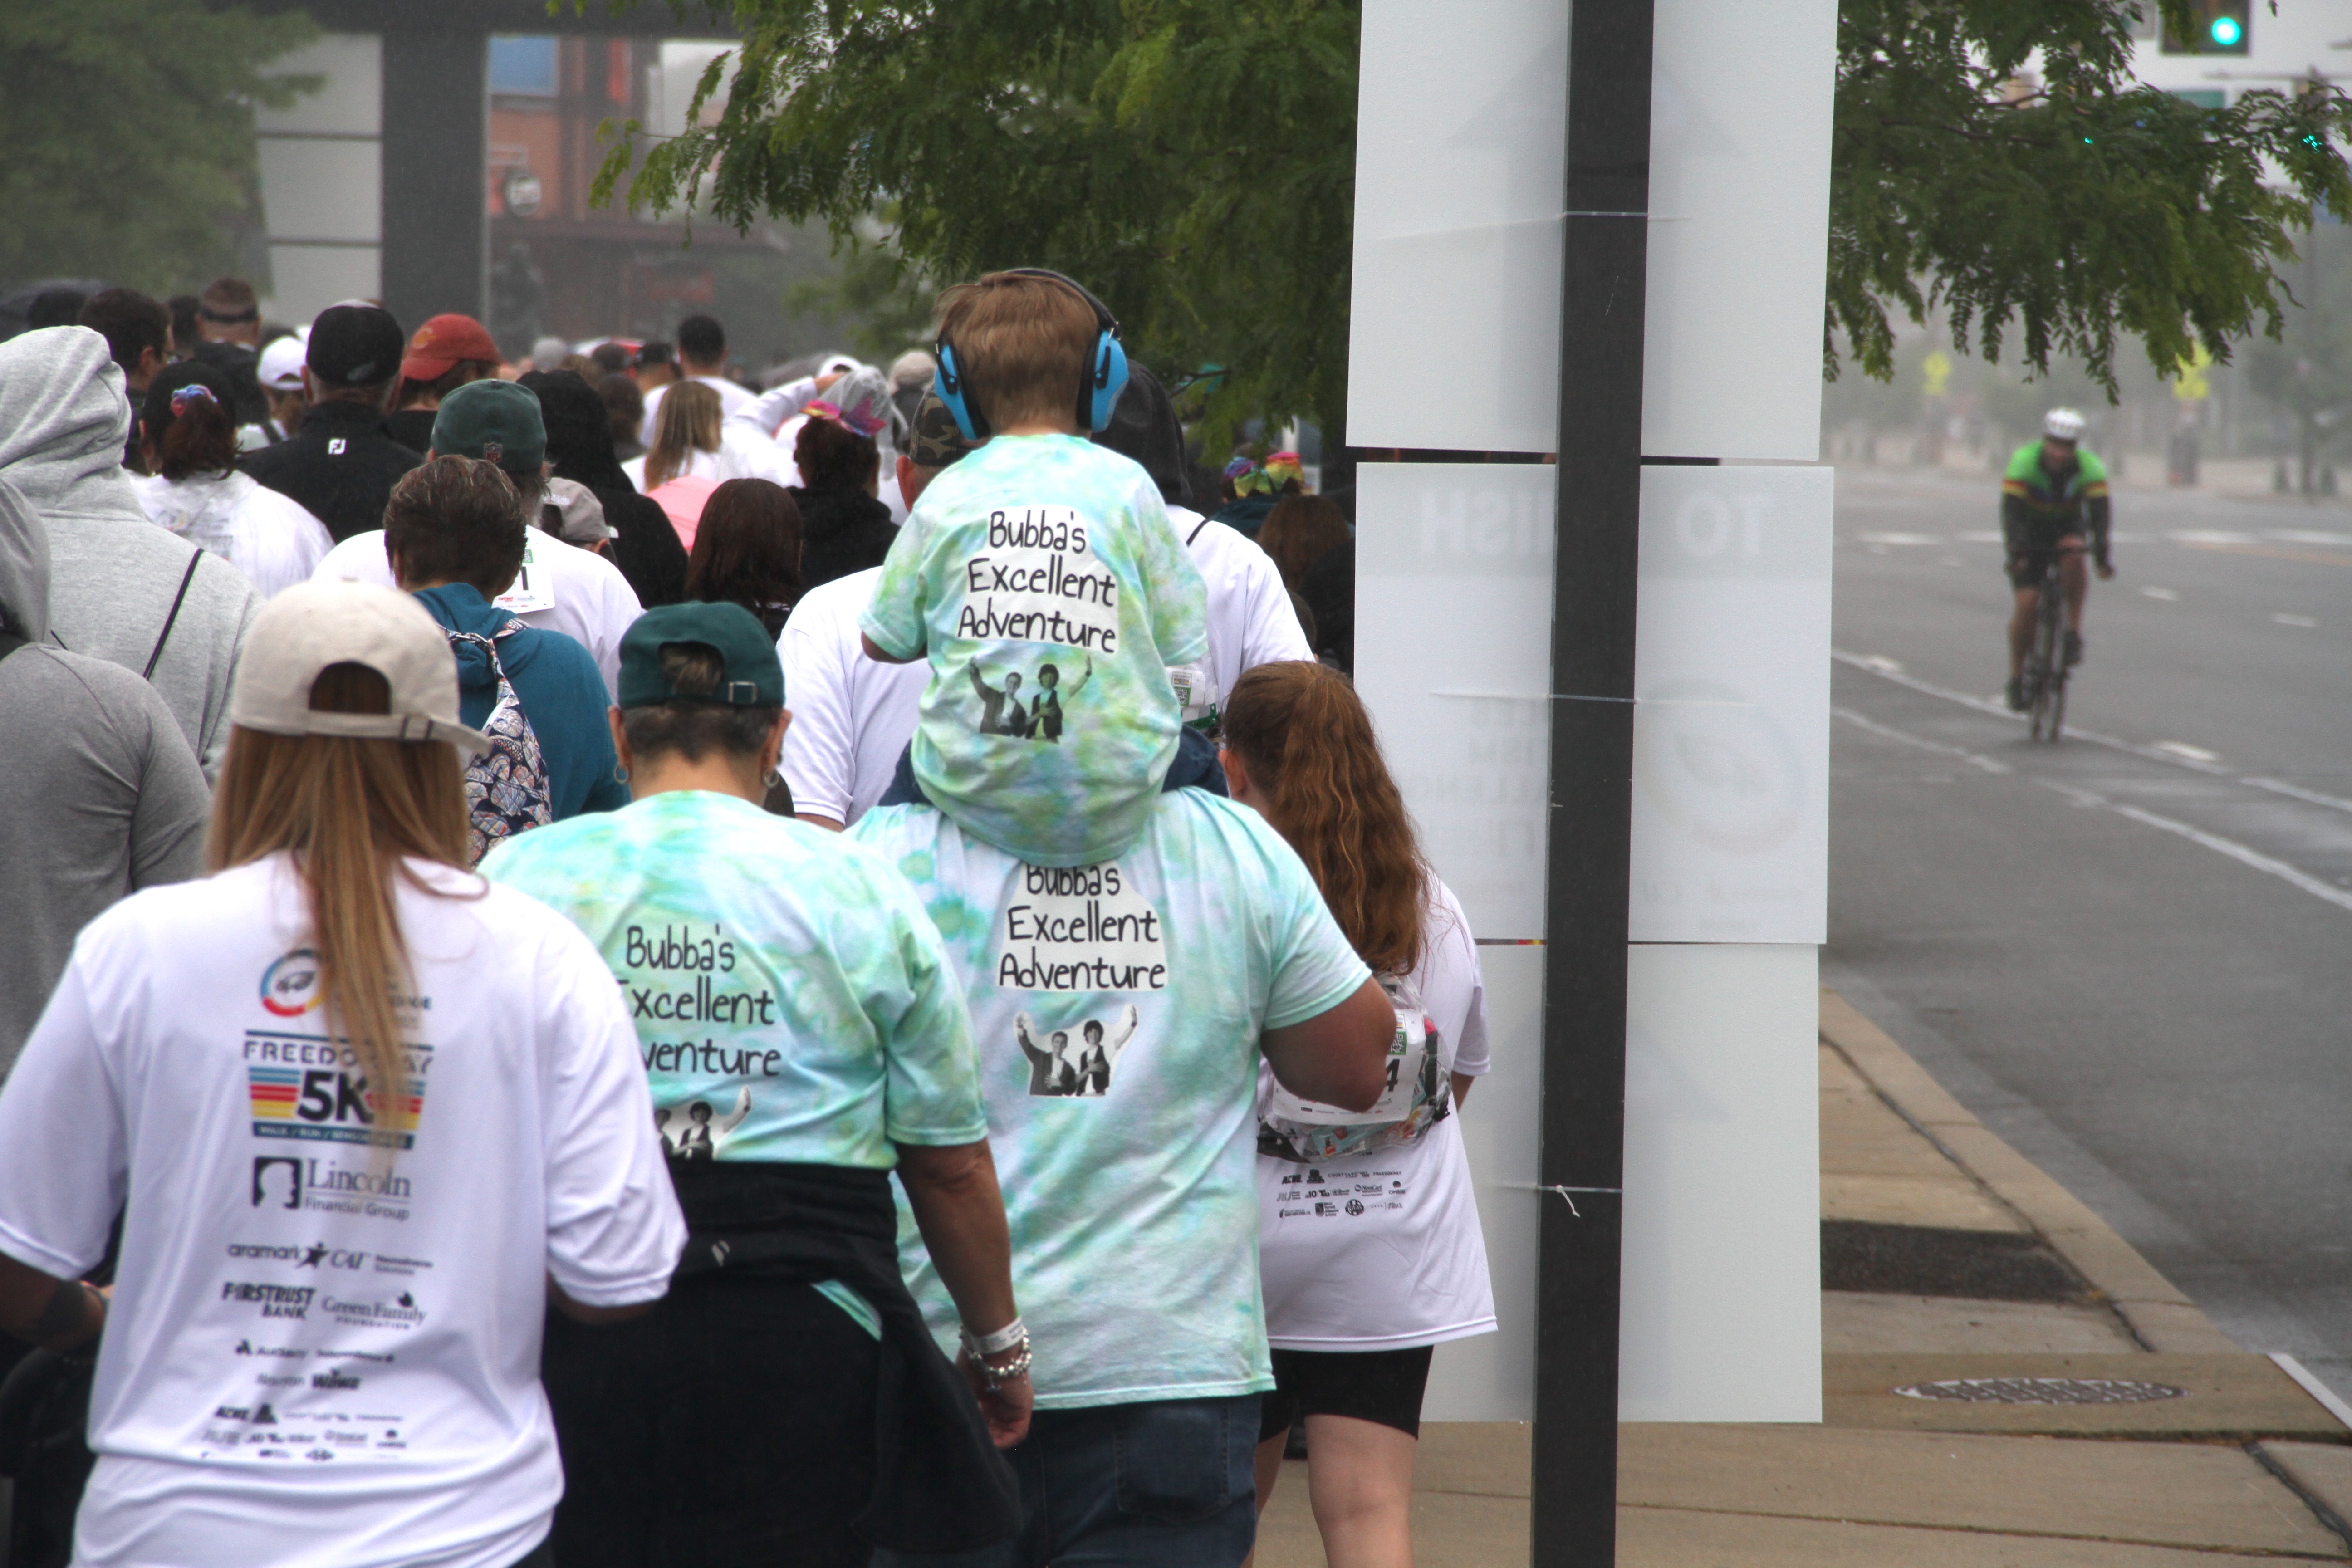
[2041, 1390]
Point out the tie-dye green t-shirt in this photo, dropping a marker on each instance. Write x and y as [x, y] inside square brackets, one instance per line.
[1117, 1008]
[792, 1000]
[1044, 581]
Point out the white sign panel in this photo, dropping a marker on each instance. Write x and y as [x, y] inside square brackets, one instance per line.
[1493, 1376]
[1720, 1319]
[1461, 127]
[1740, 93]
[1460, 136]
[1731, 681]
[1454, 566]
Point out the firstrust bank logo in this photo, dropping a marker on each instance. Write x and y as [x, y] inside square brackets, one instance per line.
[289, 987]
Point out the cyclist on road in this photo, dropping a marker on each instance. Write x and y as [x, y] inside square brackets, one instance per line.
[2053, 487]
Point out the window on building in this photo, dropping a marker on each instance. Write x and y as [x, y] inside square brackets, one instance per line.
[525, 66]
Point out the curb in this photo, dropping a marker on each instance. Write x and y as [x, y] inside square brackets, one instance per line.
[2156, 1311]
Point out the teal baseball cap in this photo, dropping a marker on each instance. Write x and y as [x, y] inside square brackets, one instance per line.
[494, 420]
[752, 676]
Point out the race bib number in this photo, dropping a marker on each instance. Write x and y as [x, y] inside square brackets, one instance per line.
[532, 588]
[1395, 1104]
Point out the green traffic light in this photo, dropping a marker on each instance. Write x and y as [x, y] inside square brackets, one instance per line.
[2226, 31]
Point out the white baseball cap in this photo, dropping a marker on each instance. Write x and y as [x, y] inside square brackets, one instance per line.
[305, 628]
[281, 362]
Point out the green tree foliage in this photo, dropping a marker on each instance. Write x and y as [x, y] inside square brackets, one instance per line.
[129, 130]
[2067, 211]
[1192, 161]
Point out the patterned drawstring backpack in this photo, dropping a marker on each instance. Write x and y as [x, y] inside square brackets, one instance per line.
[506, 787]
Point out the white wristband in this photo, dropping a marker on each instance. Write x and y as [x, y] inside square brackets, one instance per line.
[997, 1343]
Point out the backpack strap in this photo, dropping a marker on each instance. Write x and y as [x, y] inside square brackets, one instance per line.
[173, 618]
[1196, 532]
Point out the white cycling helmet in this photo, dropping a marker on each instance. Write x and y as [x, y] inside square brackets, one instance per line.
[2062, 425]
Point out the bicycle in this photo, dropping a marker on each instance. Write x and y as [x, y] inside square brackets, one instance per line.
[2046, 665]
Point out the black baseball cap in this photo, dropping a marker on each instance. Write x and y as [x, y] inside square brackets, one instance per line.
[354, 344]
[753, 676]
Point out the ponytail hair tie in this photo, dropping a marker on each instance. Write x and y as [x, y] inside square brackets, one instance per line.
[193, 393]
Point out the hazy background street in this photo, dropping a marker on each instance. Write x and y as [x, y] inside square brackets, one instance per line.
[2127, 952]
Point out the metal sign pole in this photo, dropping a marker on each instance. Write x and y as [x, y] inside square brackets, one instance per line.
[1572, 1519]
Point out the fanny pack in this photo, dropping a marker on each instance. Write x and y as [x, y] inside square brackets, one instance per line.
[1417, 1096]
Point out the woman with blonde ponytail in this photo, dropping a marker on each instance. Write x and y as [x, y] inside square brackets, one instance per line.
[362, 1118]
[1353, 1308]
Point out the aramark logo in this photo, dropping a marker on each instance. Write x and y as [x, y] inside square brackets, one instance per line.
[289, 987]
[315, 1255]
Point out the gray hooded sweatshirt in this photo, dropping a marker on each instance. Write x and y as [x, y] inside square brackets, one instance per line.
[104, 795]
[113, 575]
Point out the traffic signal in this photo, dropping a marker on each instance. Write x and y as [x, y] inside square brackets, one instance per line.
[2218, 27]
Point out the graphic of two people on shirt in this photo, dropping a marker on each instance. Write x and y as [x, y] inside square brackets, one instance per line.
[1003, 711]
[699, 1135]
[1056, 1069]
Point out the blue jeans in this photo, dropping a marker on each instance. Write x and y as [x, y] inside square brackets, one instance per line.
[1169, 1484]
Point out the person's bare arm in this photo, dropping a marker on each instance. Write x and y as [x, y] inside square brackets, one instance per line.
[44, 1311]
[815, 819]
[1339, 1058]
[952, 1190]
[875, 652]
[1462, 1082]
[581, 1312]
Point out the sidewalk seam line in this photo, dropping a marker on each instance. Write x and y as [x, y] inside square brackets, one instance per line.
[2325, 1514]
[2241, 1551]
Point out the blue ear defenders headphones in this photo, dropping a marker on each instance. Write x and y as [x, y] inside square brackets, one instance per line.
[1103, 379]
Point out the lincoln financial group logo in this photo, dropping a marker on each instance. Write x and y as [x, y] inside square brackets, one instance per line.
[297, 1182]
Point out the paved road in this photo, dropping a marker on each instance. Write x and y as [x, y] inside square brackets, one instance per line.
[2131, 953]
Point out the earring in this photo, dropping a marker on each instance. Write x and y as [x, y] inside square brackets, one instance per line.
[774, 777]
[620, 774]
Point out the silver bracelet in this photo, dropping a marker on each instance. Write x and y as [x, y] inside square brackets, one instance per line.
[1013, 1333]
[998, 1376]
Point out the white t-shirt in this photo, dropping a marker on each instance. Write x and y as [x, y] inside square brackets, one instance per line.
[698, 466]
[320, 1353]
[852, 715]
[757, 442]
[562, 588]
[1251, 621]
[730, 398]
[1382, 1250]
[271, 538]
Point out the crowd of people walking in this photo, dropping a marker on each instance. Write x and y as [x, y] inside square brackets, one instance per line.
[617, 967]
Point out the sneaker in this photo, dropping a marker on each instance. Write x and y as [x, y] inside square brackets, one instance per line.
[2073, 649]
[2017, 694]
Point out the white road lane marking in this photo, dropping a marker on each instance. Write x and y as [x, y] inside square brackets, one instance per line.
[2306, 536]
[2282, 619]
[2243, 856]
[1999, 710]
[2186, 752]
[2296, 792]
[1974, 759]
[1981, 536]
[1898, 538]
[2167, 594]
[2211, 536]
[2252, 858]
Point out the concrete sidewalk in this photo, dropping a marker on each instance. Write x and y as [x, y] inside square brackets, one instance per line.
[1951, 1260]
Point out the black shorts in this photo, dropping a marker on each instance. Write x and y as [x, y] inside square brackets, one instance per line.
[1381, 1386]
[2025, 566]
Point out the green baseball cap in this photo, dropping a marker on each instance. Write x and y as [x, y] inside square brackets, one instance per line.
[494, 420]
[751, 677]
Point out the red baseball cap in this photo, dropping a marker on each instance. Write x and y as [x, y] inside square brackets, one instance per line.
[440, 343]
